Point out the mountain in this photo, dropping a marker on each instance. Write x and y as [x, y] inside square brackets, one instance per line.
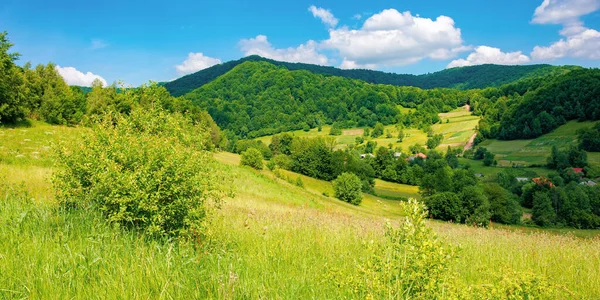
[473, 77]
[259, 98]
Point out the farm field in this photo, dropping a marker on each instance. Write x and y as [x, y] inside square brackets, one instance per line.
[535, 151]
[271, 240]
[457, 127]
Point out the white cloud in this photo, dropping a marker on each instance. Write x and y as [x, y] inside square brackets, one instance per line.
[578, 41]
[490, 55]
[585, 44]
[98, 44]
[357, 17]
[325, 15]
[563, 11]
[196, 62]
[348, 64]
[306, 53]
[74, 77]
[391, 38]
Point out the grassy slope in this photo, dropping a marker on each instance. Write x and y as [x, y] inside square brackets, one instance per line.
[526, 152]
[457, 132]
[273, 240]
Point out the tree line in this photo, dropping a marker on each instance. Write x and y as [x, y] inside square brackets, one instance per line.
[41, 93]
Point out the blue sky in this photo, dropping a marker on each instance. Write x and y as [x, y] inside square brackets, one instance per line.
[137, 41]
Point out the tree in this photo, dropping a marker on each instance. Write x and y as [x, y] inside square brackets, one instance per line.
[543, 213]
[434, 141]
[445, 206]
[377, 130]
[347, 188]
[252, 157]
[12, 107]
[589, 139]
[488, 159]
[504, 206]
[400, 136]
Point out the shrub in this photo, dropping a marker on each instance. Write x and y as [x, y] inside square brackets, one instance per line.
[147, 172]
[253, 158]
[446, 206]
[299, 182]
[347, 188]
[271, 165]
[282, 161]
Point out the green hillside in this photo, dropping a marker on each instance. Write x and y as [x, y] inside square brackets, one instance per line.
[463, 78]
[258, 98]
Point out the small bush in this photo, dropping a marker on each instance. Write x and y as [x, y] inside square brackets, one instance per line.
[299, 182]
[348, 188]
[147, 171]
[271, 165]
[253, 158]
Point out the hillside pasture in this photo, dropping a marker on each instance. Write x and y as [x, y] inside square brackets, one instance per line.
[535, 151]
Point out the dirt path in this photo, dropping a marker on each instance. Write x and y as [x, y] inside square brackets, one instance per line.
[471, 142]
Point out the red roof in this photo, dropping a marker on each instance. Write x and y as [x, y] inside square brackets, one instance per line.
[578, 170]
[421, 155]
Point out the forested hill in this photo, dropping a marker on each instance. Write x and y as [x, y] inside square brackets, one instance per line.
[463, 78]
[259, 98]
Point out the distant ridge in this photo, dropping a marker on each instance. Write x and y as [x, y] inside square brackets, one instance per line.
[473, 77]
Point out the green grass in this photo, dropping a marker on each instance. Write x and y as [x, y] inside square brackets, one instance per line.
[272, 240]
[457, 132]
[535, 151]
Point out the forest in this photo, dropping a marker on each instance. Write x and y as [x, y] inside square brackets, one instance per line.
[473, 77]
[531, 108]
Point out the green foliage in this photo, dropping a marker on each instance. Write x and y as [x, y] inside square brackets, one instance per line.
[504, 206]
[589, 139]
[538, 107]
[12, 108]
[400, 136]
[410, 263]
[257, 99]
[299, 182]
[488, 159]
[347, 187]
[572, 157]
[148, 171]
[445, 206]
[543, 213]
[252, 157]
[243, 145]
[434, 141]
[377, 130]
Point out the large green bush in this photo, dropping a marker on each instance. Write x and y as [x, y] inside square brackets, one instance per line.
[348, 188]
[148, 171]
[253, 158]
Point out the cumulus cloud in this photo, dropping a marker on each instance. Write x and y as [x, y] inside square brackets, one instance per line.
[490, 55]
[578, 41]
[305, 53]
[348, 64]
[391, 38]
[196, 62]
[585, 44]
[74, 77]
[563, 11]
[325, 15]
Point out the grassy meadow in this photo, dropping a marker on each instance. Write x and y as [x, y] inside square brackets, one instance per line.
[535, 151]
[272, 240]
